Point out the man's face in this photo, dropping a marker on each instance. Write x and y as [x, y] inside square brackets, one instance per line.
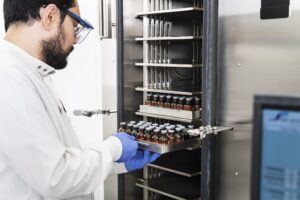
[56, 49]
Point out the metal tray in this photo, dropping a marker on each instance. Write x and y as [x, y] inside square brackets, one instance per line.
[183, 114]
[167, 148]
[188, 144]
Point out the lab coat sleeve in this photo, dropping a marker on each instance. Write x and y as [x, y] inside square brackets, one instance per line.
[119, 168]
[30, 144]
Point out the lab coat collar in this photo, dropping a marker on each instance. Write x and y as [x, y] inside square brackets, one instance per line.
[37, 65]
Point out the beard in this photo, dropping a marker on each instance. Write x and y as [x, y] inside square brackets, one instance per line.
[53, 53]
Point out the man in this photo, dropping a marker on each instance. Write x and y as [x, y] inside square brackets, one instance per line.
[40, 157]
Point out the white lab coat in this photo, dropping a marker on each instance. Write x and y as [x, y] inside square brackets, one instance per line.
[40, 156]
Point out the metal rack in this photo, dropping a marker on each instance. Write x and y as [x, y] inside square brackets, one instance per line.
[171, 65]
[173, 41]
[185, 93]
[170, 38]
[175, 187]
[181, 12]
[161, 62]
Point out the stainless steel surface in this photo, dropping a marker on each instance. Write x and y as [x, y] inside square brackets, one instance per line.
[209, 98]
[167, 112]
[169, 65]
[168, 91]
[255, 57]
[170, 38]
[204, 131]
[167, 148]
[129, 78]
[105, 21]
[168, 117]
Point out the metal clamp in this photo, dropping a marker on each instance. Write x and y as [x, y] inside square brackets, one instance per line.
[87, 113]
[203, 131]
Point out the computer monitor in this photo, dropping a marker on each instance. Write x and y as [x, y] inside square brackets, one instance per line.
[276, 148]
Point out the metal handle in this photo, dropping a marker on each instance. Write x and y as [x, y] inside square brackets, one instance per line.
[90, 113]
[203, 131]
[104, 19]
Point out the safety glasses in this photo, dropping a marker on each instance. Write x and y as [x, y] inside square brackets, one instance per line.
[83, 28]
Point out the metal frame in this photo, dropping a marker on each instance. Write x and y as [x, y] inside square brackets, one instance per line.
[261, 102]
[120, 82]
[209, 84]
[210, 27]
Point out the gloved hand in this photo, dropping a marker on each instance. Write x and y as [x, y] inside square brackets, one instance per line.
[140, 160]
[129, 146]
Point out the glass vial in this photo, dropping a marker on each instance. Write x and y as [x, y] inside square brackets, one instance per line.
[122, 127]
[155, 100]
[148, 101]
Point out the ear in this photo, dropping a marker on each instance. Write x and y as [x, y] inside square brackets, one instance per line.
[50, 16]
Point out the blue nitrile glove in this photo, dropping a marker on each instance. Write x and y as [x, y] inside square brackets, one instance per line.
[129, 146]
[140, 160]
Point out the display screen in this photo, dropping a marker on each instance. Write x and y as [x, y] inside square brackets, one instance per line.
[280, 158]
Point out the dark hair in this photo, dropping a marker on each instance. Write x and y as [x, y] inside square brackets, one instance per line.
[26, 11]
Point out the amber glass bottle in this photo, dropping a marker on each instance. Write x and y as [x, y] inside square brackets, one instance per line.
[155, 100]
[163, 137]
[134, 130]
[148, 101]
[174, 102]
[147, 134]
[161, 102]
[180, 104]
[189, 104]
[129, 129]
[178, 135]
[168, 102]
[122, 127]
[140, 134]
[171, 136]
[155, 136]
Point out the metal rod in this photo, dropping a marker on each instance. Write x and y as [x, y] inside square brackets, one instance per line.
[156, 5]
[152, 5]
[170, 4]
[161, 5]
[209, 88]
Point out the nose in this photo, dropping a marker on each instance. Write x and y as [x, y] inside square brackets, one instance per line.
[75, 40]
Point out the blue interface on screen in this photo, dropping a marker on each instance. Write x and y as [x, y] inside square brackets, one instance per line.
[280, 161]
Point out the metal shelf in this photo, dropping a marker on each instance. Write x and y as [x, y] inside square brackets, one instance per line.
[176, 187]
[168, 91]
[186, 171]
[180, 12]
[184, 163]
[168, 117]
[169, 65]
[178, 38]
[167, 148]
[184, 114]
